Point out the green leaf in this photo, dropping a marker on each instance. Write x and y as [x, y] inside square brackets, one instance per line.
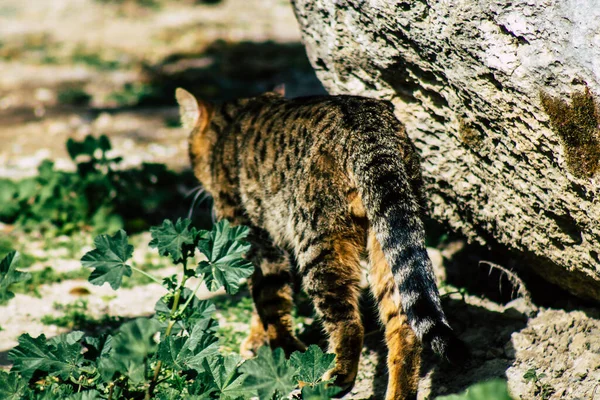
[270, 374]
[130, 347]
[225, 248]
[10, 275]
[97, 347]
[109, 259]
[492, 390]
[312, 364]
[198, 312]
[187, 352]
[321, 391]
[9, 202]
[531, 375]
[104, 143]
[222, 379]
[170, 239]
[60, 356]
[135, 338]
[168, 393]
[12, 386]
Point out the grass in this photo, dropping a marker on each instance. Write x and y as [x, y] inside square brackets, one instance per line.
[135, 93]
[76, 316]
[74, 96]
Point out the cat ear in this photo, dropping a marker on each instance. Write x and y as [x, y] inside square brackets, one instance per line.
[192, 112]
[280, 89]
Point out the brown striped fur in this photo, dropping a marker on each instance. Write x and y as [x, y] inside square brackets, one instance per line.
[325, 180]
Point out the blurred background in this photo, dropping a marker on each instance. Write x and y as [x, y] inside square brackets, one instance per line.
[90, 140]
[77, 69]
[70, 68]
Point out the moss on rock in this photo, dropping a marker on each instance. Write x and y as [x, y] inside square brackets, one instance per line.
[577, 124]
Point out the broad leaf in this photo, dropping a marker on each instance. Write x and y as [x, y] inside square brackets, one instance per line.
[131, 346]
[187, 352]
[321, 391]
[312, 364]
[109, 259]
[224, 247]
[197, 312]
[269, 373]
[97, 347]
[9, 202]
[135, 338]
[12, 386]
[10, 275]
[60, 356]
[170, 239]
[221, 379]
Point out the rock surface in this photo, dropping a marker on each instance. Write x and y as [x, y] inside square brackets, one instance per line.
[500, 99]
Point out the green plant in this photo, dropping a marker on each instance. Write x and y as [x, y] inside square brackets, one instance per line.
[9, 275]
[495, 389]
[543, 389]
[74, 96]
[153, 4]
[76, 316]
[100, 196]
[173, 354]
[136, 93]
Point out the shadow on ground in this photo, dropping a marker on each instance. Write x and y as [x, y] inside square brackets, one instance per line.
[225, 71]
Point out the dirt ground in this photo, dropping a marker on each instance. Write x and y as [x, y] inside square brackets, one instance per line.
[127, 58]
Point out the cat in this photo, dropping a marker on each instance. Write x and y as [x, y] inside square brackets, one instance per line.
[325, 179]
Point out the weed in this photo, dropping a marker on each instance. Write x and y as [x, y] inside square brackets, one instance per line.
[99, 196]
[153, 4]
[95, 60]
[76, 316]
[74, 96]
[135, 94]
[495, 389]
[543, 389]
[185, 362]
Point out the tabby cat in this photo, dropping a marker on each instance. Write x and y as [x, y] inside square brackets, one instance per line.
[327, 180]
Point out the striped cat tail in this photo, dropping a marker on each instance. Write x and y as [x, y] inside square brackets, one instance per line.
[394, 214]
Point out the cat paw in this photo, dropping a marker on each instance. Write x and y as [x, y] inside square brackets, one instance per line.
[250, 345]
[345, 381]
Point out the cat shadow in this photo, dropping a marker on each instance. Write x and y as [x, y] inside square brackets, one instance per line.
[223, 71]
[487, 335]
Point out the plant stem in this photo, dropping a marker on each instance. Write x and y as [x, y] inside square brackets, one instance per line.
[190, 298]
[111, 390]
[155, 279]
[172, 320]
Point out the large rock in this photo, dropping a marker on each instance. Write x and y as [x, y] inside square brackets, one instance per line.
[500, 99]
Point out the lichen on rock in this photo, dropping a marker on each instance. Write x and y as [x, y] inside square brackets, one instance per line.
[578, 125]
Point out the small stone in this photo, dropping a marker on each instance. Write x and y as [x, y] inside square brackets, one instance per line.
[519, 309]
